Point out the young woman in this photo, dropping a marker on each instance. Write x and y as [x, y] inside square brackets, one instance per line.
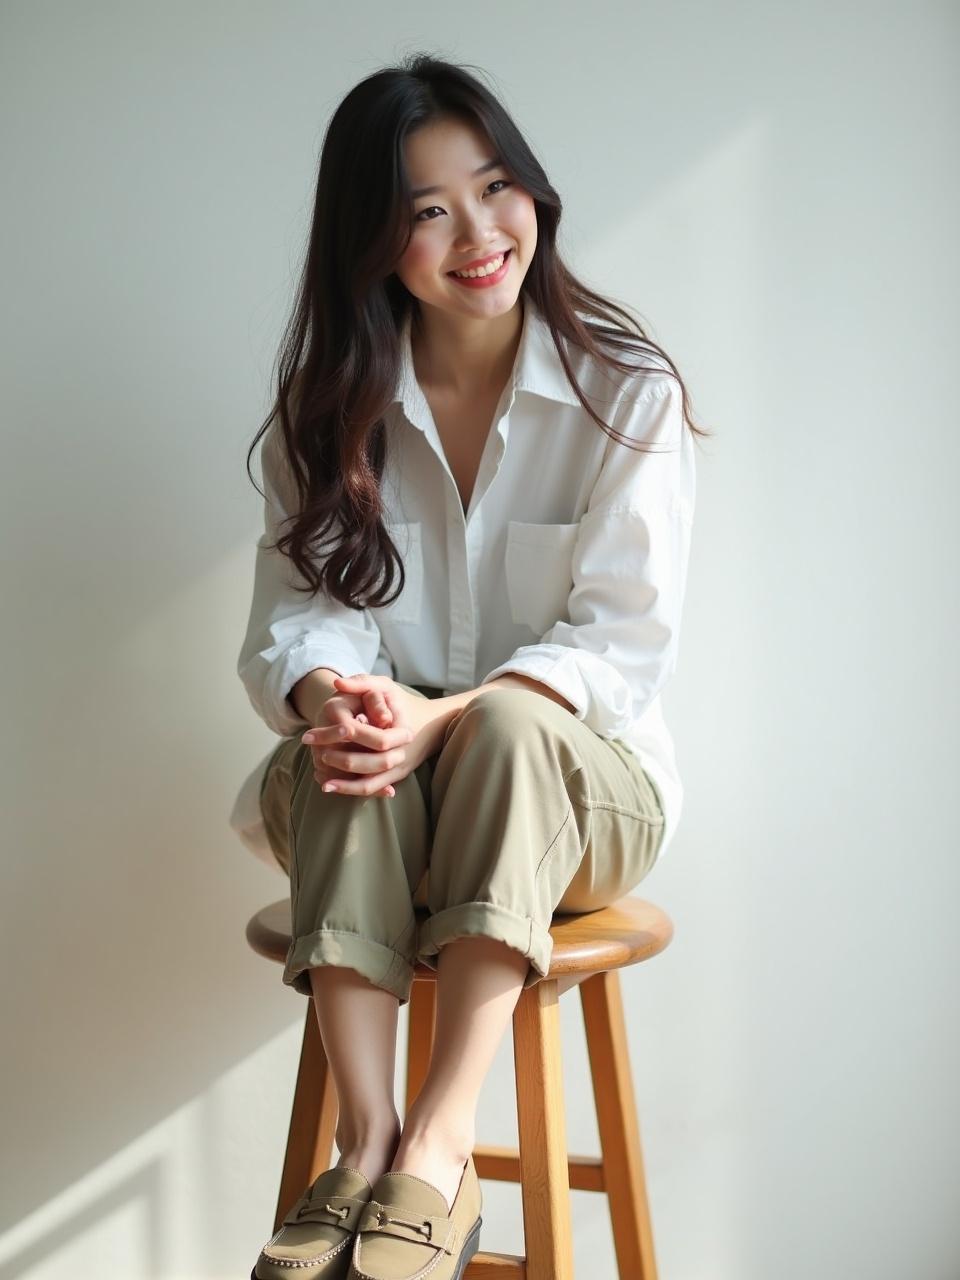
[455, 418]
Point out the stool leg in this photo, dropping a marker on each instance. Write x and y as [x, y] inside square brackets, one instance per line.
[421, 1026]
[313, 1121]
[602, 1002]
[544, 1172]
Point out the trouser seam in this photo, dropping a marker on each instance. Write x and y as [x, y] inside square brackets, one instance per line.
[617, 808]
[553, 842]
[406, 929]
[613, 807]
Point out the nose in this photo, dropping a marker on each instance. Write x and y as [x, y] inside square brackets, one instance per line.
[474, 231]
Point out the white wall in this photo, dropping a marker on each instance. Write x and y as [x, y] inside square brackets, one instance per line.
[774, 189]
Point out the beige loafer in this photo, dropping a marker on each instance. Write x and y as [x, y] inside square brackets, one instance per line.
[406, 1229]
[316, 1236]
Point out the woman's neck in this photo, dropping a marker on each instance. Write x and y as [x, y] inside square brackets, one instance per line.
[464, 358]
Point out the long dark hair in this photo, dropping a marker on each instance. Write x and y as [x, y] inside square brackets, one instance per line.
[339, 361]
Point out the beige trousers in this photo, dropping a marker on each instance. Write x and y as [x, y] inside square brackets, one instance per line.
[524, 812]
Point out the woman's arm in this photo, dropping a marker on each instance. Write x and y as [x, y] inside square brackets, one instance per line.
[310, 693]
[290, 633]
[427, 720]
[618, 645]
[455, 702]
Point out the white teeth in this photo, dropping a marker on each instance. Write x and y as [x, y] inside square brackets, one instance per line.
[495, 265]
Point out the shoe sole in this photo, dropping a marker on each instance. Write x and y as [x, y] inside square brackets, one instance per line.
[470, 1247]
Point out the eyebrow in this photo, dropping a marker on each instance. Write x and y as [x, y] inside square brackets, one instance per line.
[495, 163]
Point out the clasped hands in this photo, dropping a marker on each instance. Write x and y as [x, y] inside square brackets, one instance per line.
[375, 734]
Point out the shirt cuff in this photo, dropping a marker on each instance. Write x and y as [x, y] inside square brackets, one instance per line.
[597, 691]
[304, 656]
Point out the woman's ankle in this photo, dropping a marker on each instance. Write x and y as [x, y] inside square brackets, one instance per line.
[367, 1135]
[452, 1133]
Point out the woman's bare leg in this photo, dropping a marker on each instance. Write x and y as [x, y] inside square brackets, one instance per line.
[358, 1026]
[479, 981]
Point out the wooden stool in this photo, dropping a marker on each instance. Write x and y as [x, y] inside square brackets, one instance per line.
[594, 943]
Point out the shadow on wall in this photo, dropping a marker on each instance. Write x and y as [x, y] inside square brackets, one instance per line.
[141, 1191]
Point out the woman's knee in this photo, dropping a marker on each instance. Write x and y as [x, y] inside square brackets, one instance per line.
[504, 715]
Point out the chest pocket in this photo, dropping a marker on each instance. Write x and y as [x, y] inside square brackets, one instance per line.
[539, 574]
[408, 607]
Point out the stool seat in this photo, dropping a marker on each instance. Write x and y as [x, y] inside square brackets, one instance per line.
[623, 933]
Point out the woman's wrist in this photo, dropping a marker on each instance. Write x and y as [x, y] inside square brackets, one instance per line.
[444, 710]
[311, 692]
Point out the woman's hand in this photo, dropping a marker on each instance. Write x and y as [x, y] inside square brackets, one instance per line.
[406, 730]
[341, 718]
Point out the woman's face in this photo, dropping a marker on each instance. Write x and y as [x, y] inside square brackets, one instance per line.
[472, 216]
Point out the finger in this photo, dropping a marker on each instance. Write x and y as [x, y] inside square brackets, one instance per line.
[339, 721]
[342, 723]
[343, 729]
[324, 771]
[393, 706]
[323, 774]
[397, 735]
[387, 793]
[362, 734]
[362, 677]
[363, 762]
[320, 771]
[376, 704]
[372, 786]
[324, 733]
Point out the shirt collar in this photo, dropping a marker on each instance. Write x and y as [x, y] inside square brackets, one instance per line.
[536, 369]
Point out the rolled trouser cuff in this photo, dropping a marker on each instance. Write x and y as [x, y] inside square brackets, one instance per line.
[379, 964]
[487, 919]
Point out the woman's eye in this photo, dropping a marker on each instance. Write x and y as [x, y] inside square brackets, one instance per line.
[502, 182]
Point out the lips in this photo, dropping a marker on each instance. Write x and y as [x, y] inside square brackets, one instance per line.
[481, 262]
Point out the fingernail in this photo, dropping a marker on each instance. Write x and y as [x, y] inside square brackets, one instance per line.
[329, 786]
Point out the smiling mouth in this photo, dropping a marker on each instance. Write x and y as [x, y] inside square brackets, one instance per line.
[493, 257]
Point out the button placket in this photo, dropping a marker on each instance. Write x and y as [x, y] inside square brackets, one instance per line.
[459, 658]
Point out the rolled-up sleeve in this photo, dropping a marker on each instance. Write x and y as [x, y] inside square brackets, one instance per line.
[288, 632]
[619, 643]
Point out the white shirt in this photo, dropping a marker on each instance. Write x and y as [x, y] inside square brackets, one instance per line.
[569, 566]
